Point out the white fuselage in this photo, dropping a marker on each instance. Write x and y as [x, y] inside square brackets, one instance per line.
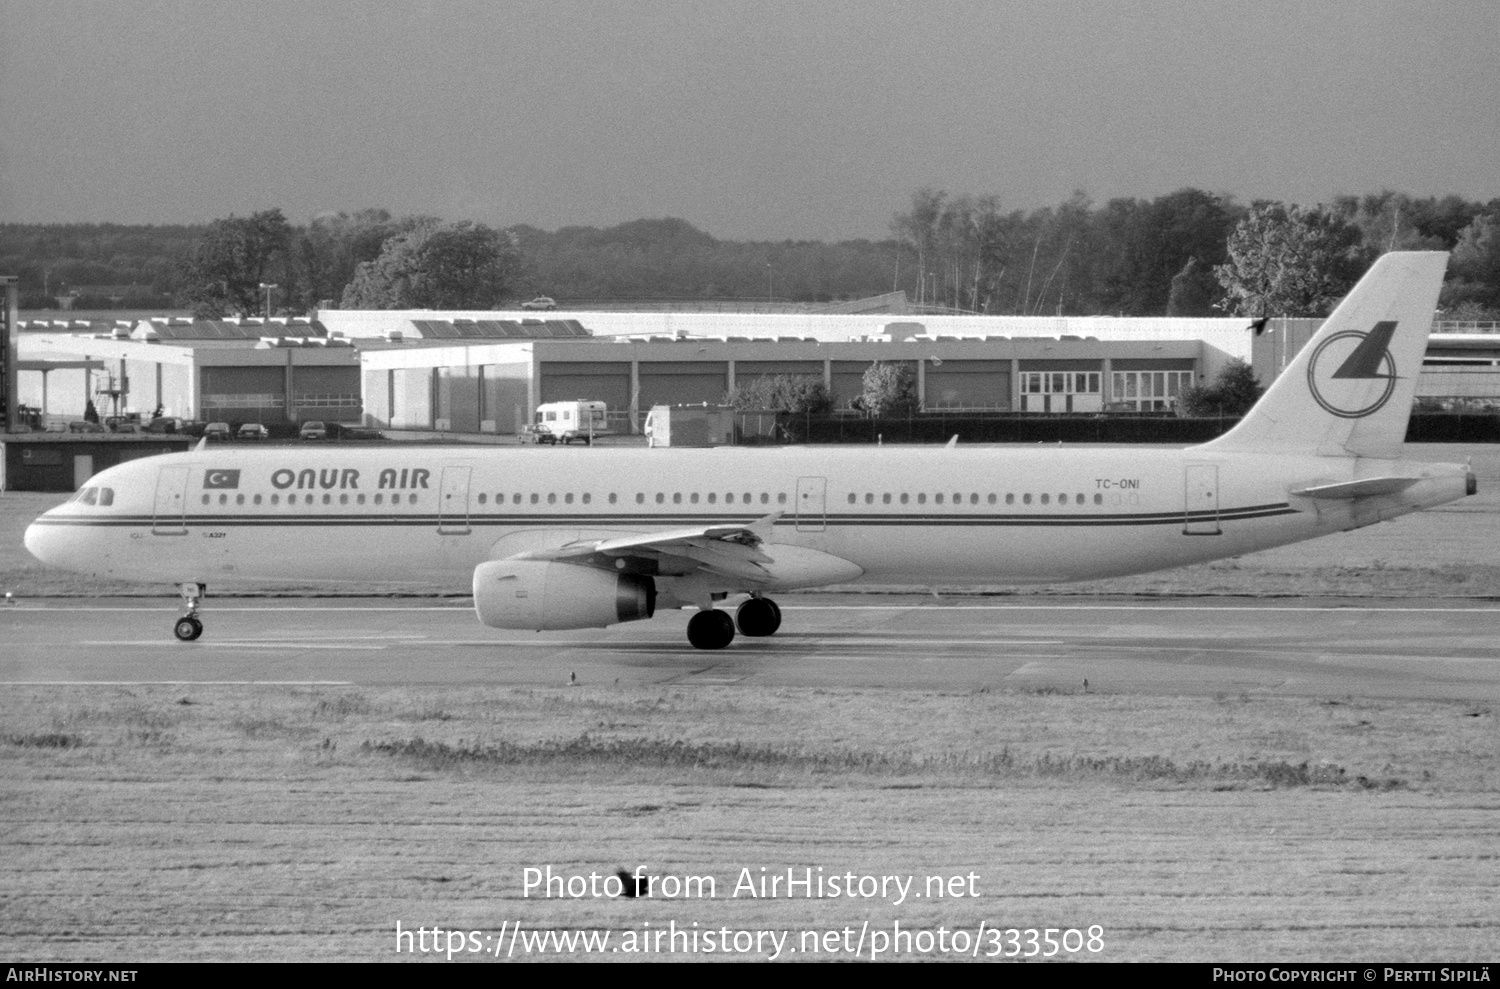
[903, 515]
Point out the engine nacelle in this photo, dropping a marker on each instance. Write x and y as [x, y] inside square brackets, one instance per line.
[541, 595]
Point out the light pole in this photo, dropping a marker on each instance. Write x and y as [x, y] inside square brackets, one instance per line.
[267, 287]
[769, 276]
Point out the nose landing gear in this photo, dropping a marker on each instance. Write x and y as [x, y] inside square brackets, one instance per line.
[189, 626]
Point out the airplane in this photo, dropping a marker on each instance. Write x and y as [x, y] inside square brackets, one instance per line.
[615, 534]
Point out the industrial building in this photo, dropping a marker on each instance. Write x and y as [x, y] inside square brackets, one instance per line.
[485, 372]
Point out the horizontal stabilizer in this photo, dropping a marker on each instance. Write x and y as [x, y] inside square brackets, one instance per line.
[1359, 489]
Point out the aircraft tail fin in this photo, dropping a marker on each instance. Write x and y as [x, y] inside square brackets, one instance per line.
[1348, 392]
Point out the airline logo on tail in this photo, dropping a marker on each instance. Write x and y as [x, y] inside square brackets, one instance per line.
[1352, 374]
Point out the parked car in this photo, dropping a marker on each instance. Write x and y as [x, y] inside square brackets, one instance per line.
[360, 433]
[540, 302]
[313, 430]
[216, 431]
[127, 427]
[253, 431]
[166, 424]
[84, 426]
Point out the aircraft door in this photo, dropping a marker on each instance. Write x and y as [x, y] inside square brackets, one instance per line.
[1201, 500]
[812, 504]
[453, 501]
[167, 516]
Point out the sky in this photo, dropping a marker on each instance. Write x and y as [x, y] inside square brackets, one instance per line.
[752, 120]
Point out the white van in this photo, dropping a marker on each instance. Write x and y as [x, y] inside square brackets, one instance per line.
[564, 422]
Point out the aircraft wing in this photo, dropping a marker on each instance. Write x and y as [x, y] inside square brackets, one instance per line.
[729, 550]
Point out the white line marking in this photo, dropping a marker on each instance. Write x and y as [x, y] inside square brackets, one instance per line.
[158, 643]
[1144, 606]
[180, 683]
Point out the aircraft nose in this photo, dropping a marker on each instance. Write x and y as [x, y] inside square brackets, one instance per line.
[39, 542]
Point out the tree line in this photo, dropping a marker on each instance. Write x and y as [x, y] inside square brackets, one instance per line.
[1188, 253]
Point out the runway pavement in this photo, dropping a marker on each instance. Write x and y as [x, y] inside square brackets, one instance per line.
[1363, 648]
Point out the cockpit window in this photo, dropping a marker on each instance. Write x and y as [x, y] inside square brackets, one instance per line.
[90, 496]
[106, 497]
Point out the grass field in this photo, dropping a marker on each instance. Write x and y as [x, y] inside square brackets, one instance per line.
[277, 823]
[273, 823]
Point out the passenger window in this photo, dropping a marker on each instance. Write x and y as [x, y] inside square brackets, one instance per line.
[239, 499]
[693, 497]
[765, 499]
[853, 497]
[974, 498]
[482, 497]
[677, 497]
[568, 498]
[343, 499]
[612, 498]
[276, 499]
[748, 499]
[328, 499]
[885, 499]
[1078, 500]
[640, 497]
[1026, 498]
[1098, 499]
[205, 497]
[1062, 499]
[360, 499]
[379, 498]
[992, 498]
[922, 498]
[515, 499]
[587, 497]
[781, 498]
[869, 498]
[1044, 499]
[257, 499]
[535, 498]
[729, 498]
[411, 499]
[552, 497]
[223, 499]
[713, 498]
[661, 499]
[905, 498]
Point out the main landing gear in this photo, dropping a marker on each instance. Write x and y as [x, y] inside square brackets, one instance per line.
[189, 626]
[714, 629]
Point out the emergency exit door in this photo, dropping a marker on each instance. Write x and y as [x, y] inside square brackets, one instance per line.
[812, 504]
[167, 516]
[453, 501]
[1201, 500]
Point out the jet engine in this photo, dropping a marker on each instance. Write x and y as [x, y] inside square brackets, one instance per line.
[541, 595]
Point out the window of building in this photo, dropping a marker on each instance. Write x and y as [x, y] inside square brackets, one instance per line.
[1149, 390]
